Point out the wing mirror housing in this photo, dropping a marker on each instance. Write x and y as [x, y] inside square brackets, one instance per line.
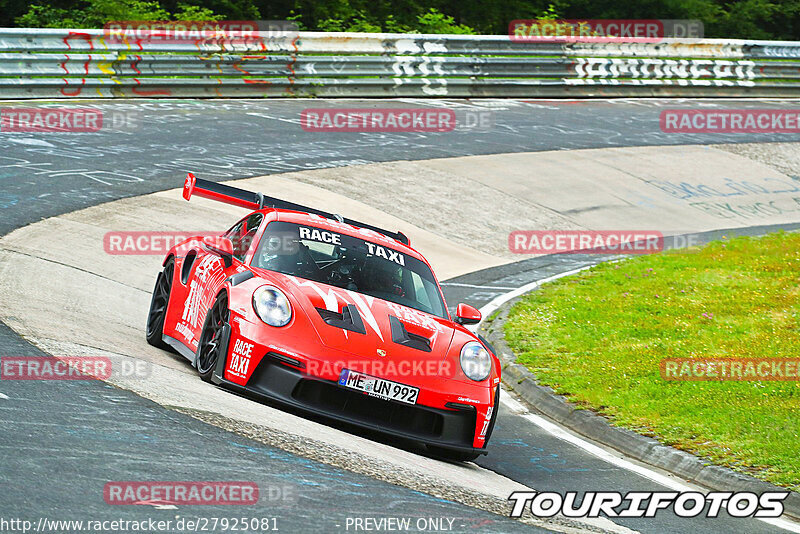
[222, 247]
[466, 314]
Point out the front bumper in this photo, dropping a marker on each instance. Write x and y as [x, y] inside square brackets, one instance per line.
[273, 380]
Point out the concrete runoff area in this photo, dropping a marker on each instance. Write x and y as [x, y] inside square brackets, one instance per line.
[102, 299]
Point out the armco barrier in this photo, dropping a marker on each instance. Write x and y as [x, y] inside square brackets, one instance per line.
[56, 63]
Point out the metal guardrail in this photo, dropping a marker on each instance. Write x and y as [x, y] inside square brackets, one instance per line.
[55, 63]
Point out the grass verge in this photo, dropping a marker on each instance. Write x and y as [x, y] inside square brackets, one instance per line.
[599, 337]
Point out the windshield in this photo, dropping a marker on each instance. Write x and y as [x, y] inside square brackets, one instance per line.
[350, 263]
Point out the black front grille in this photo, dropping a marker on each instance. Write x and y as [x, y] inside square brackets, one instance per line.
[354, 404]
[274, 379]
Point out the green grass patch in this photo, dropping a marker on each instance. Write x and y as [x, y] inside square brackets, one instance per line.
[598, 337]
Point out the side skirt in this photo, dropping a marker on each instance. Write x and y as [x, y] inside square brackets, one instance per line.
[182, 349]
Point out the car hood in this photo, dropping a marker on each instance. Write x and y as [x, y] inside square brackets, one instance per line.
[381, 328]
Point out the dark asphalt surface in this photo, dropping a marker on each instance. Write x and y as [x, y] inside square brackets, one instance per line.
[62, 441]
[155, 143]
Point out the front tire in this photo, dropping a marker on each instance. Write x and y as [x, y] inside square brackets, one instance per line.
[210, 347]
[158, 307]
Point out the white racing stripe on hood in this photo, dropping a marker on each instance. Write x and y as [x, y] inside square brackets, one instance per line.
[365, 311]
[330, 299]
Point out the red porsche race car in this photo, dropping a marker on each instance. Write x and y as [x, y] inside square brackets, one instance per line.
[329, 315]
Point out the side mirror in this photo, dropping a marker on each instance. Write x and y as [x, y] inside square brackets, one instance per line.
[466, 314]
[222, 247]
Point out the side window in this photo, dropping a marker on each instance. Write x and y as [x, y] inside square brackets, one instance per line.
[421, 291]
[235, 230]
[245, 235]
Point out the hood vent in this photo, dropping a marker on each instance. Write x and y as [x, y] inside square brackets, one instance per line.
[401, 336]
[349, 319]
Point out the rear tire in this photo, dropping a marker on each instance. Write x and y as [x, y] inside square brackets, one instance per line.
[158, 307]
[209, 348]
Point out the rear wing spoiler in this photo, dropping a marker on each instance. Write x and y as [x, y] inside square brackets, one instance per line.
[256, 201]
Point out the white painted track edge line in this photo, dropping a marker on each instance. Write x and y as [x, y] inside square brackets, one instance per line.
[495, 303]
[473, 286]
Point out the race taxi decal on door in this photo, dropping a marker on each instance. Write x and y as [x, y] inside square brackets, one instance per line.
[208, 276]
[239, 362]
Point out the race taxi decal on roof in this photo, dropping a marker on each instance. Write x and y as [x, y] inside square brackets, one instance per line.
[323, 236]
[386, 253]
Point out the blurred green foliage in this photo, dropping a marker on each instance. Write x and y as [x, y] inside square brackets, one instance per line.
[742, 19]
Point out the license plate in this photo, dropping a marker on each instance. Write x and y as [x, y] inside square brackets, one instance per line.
[378, 387]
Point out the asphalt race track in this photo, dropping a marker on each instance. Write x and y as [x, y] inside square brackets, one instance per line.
[63, 439]
[44, 175]
[75, 436]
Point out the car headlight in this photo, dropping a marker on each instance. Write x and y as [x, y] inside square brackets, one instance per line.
[272, 306]
[475, 361]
